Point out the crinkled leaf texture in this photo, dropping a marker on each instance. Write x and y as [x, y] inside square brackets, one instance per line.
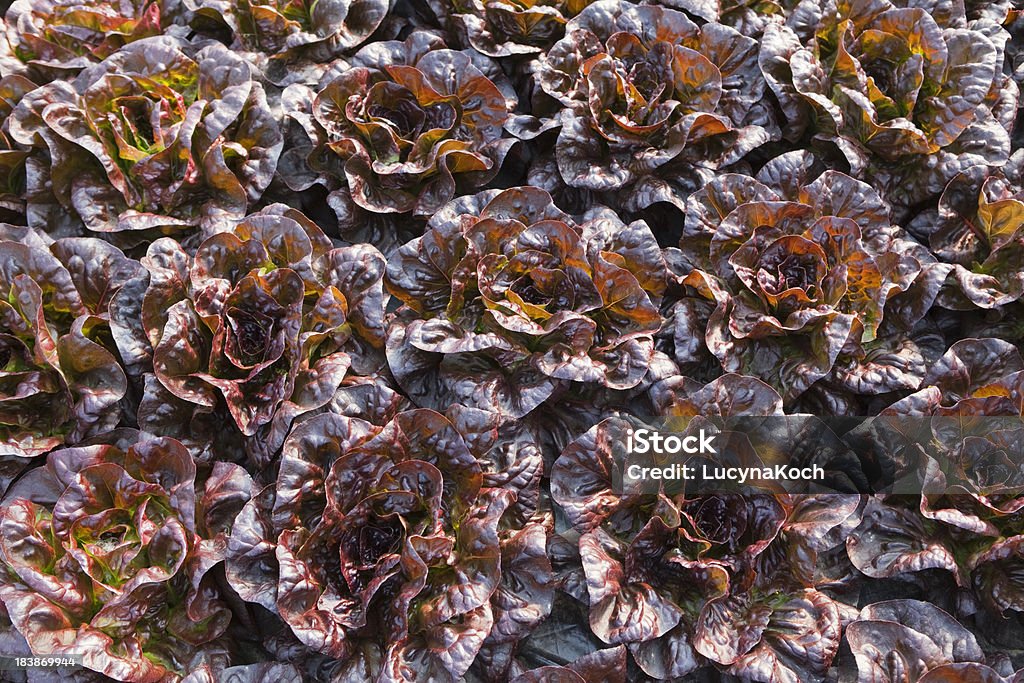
[417, 558]
[263, 322]
[647, 96]
[405, 128]
[60, 378]
[506, 297]
[115, 569]
[163, 136]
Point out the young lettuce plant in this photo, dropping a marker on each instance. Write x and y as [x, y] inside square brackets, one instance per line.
[56, 39]
[264, 321]
[498, 28]
[690, 580]
[651, 101]
[284, 38]
[910, 95]
[380, 546]
[979, 228]
[163, 136]
[404, 127]
[60, 377]
[505, 297]
[809, 278]
[967, 520]
[114, 567]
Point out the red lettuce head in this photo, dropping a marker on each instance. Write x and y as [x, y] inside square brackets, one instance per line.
[380, 546]
[163, 136]
[501, 29]
[518, 297]
[114, 568]
[404, 127]
[809, 279]
[910, 97]
[264, 322]
[650, 101]
[979, 228]
[55, 39]
[689, 580]
[285, 37]
[60, 377]
[967, 520]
